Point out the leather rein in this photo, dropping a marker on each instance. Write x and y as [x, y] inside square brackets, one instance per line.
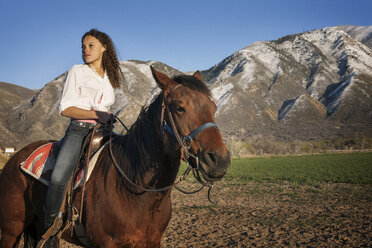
[186, 155]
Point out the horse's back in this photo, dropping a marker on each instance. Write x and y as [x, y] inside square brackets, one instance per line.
[11, 171]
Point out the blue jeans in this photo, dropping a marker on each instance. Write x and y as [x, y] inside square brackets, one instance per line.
[65, 165]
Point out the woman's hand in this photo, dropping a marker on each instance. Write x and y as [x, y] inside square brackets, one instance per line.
[104, 117]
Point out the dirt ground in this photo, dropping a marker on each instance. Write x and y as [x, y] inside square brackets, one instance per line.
[272, 215]
[264, 215]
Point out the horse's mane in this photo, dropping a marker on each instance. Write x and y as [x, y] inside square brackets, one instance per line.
[139, 149]
[192, 83]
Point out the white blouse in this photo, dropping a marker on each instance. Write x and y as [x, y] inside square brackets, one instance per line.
[85, 89]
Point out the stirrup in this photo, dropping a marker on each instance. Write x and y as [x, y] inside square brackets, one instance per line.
[55, 227]
[52, 231]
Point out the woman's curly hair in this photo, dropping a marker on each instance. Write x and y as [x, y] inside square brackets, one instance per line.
[110, 62]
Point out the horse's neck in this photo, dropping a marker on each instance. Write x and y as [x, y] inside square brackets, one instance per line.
[163, 165]
[151, 162]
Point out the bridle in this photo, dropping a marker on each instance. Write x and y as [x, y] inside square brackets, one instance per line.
[185, 143]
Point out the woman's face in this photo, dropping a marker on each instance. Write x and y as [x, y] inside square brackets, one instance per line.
[92, 50]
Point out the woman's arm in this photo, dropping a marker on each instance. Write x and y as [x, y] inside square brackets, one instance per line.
[80, 114]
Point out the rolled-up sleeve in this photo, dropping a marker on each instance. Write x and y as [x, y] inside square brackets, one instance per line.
[70, 90]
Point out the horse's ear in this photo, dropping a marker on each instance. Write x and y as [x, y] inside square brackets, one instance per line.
[163, 81]
[198, 75]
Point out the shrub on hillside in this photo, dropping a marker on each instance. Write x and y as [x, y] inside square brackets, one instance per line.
[260, 145]
[240, 149]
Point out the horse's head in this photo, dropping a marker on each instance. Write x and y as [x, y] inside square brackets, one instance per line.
[190, 105]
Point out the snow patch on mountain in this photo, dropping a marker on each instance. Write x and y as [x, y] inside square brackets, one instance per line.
[153, 93]
[129, 76]
[121, 101]
[222, 94]
[358, 60]
[264, 54]
[245, 63]
[362, 34]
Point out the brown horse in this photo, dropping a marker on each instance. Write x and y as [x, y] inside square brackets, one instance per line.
[116, 213]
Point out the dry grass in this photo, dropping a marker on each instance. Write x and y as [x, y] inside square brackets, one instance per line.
[3, 160]
[268, 145]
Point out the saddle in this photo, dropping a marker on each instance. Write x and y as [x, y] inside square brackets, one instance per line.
[40, 165]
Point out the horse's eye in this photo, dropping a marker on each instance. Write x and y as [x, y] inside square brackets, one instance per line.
[180, 109]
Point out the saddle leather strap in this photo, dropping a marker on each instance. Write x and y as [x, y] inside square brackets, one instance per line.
[71, 190]
[55, 228]
[86, 169]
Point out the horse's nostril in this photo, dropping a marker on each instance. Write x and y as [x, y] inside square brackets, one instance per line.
[212, 157]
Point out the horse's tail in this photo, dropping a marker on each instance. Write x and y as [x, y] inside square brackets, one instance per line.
[30, 237]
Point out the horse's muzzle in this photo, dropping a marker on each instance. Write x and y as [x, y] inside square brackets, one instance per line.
[214, 166]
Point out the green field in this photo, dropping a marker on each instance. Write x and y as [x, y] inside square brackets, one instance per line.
[354, 168]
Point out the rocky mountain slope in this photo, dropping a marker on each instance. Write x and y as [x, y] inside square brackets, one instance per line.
[38, 118]
[10, 97]
[313, 85]
[362, 34]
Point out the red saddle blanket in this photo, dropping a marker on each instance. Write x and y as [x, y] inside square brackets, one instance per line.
[40, 164]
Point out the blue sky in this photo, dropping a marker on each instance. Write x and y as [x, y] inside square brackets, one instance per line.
[39, 40]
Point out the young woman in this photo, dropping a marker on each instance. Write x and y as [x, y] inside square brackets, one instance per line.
[87, 95]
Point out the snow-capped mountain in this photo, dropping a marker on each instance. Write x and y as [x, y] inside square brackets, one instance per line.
[313, 85]
[321, 78]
